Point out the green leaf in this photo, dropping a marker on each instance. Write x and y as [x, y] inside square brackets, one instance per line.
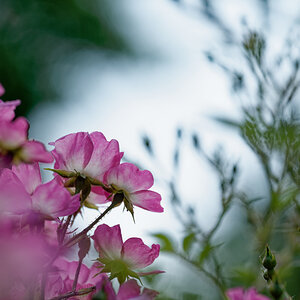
[188, 242]
[165, 242]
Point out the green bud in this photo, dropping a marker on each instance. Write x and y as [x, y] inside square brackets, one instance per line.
[276, 291]
[268, 275]
[79, 184]
[269, 261]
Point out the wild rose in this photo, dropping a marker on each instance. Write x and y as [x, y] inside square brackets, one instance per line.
[238, 293]
[121, 259]
[133, 185]
[85, 158]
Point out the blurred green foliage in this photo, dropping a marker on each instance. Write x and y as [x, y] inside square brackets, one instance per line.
[37, 35]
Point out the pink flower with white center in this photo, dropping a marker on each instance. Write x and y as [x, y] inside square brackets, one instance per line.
[120, 259]
[23, 193]
[134, 184]
[239, 294]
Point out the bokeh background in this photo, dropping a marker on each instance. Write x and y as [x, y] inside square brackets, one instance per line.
[144, 72]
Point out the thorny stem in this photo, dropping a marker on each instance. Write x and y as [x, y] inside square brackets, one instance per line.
[77, 237]
[75, 293]
[77, 274]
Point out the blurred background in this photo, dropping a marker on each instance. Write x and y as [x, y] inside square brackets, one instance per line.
[150, 74]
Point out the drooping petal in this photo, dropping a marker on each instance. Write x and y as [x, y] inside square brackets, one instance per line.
[29, 175]
[34, 151]
[148, 200]
[137, 255]
[105, 156]
[73, 151]
[127, 176]
[13, 197]
[128, 290]
[53, 200]
[7, 109]
[108, 241]
[13, 134]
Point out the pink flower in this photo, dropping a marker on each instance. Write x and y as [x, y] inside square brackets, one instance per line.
[61, 280]
[88, 154]
[2, 90]
[23, 193]
[239, 294]
[86, 157]
[134, 184]
[120, 259]
[14, 145]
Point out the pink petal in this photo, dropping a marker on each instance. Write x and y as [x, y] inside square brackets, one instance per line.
[34, 151]
[105, 156]
[73, 151]
[108, 241]
[127, 176]
[128, 290]
[148, 200]
[2, 90]
[29, 175]
[235, 293]
[147, 295]
[7, 109]
[13, 197]
[251, 294]
[53, 200]
[137, 255]
[98, 196]
[13, 134]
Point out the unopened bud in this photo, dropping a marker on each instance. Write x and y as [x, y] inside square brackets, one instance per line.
[268, 274]
[269, 261]
[276, 291]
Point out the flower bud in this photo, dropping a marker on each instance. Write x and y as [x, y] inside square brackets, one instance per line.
[276, 291]
[269, 261]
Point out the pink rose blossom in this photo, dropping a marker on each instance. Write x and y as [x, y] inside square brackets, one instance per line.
[134, 184]
[120, 259]
[88, 154]
[238, 293]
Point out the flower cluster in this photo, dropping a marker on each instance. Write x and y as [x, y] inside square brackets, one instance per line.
[37, 241]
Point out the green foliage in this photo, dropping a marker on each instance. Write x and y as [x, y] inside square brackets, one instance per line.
[35, 36]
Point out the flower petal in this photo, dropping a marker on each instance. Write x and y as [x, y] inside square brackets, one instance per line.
[29, 175]
[34, 151]
[148, 200]
[73, 151]
[108, 241]
[13, 198]
[2, 90]
[53, 200]
[7, 109]
[105, 156]
[13, 134]
[127, 176]
[137, 255]
[128, 290]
